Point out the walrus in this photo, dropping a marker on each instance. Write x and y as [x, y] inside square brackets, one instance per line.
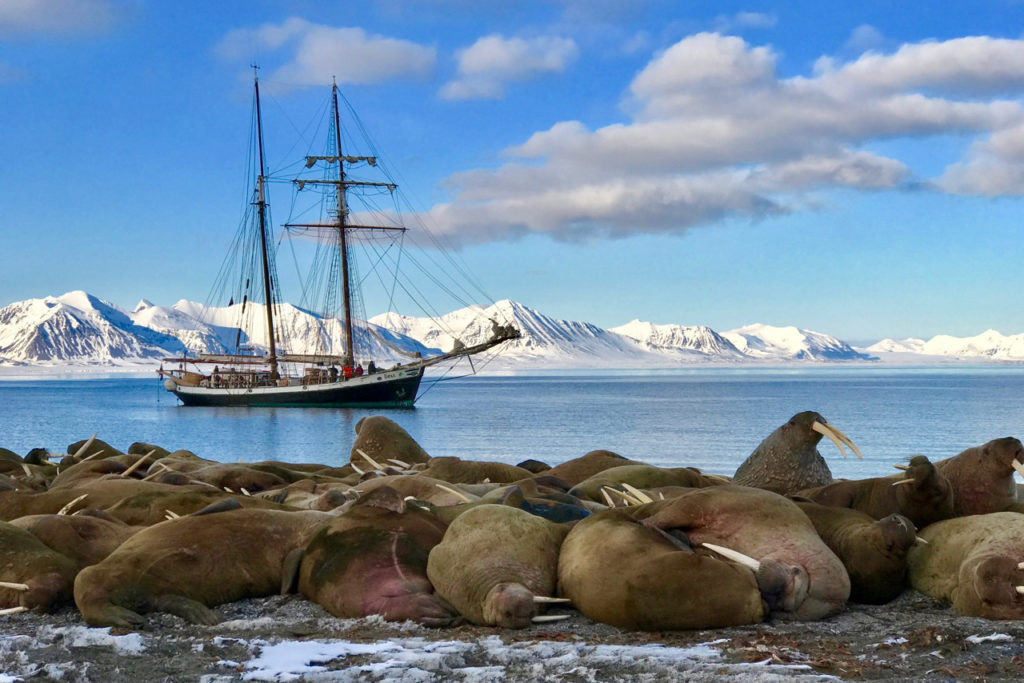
[767, 527]
[642, 477]
[982, 476]
[576, 470]
[373, 560]
[33, 575]
[187, 565]
[620, 572]
[493, 564]
[874, 552]
[86, 538]
[788, 461]
[384, 440]
[975, 563]
[457, 471]
[923, 495]
[418, 486]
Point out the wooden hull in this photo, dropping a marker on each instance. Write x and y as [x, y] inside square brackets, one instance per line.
[389, 389]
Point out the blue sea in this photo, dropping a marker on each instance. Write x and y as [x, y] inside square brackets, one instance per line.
[707, 418]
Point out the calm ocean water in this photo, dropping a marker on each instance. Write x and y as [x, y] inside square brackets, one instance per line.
[708, 418]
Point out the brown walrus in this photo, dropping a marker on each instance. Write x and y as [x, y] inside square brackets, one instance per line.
[373, 560]
[186, 566]
[642, 477]
[923, 495]
[874, 552]
[976, 563]
[457, 471]
[384, 440]
[34, 575]
[86, 538]
[620, 572]
[576, 470]
[982, 477]
[767, 527]
[788, 461]
[494, 562]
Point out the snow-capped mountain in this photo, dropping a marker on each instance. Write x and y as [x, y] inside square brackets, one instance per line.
[989, 344]
[768, 342]
[686, 340]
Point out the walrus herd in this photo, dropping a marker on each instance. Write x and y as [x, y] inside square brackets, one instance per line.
[439, 540]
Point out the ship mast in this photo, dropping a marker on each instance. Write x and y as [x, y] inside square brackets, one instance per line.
[346, 293]
[261, 210]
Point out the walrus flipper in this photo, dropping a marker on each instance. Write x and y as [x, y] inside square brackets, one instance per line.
[188, 609]
[290, 571]
[220, 506]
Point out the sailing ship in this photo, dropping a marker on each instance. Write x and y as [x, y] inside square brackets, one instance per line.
[272, 376]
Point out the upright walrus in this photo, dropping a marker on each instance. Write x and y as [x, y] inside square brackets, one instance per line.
[617, 571]
[384, 439]
[495, 562]
[788, 461]
[187, 565]
[982, 477]
[976, 563]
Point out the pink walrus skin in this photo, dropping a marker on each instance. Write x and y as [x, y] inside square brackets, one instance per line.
[373, 560]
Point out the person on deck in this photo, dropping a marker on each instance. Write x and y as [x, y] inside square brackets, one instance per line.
[347, 371]
[359, 370]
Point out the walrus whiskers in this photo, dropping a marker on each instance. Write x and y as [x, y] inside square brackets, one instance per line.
[373, 463]
[544, 599]
[14, 586]
[67, 508]
[85, 446]
[903, 482]
[13, 610]
[734, 555]
[637, 493]
[827, 432]
[458, 494]
[547, 618]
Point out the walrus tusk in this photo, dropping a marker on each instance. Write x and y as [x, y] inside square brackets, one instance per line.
[546, 618]
[28, 472]
[627, 498]
[373, 463]
[1020, 566]
[607, 497]
[545, 599]
[67, 508]
[734, 555]
[1017, 466]
[458, 494]
[93, 455]
[1019, 589]
[921, 540]
[244, 492]
[903, 482]
[138, 463]
[85, 446]
[353, 466]
[848, 441]
[902, 467]
[399, 463]
[13, 610]
[637, 493]
[827, 432]
[14, 586]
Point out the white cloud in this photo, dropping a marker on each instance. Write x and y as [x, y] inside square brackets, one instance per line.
[712, 133]
[863, 38]
[55, 17]
[492, 62]
[315, 53]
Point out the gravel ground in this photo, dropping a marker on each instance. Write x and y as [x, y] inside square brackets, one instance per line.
[288, 638]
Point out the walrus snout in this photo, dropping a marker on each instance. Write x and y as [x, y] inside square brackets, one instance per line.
[509, 605]
[783, 586]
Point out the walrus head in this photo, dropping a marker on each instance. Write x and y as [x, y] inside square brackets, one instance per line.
[783, 587]
[991, 587]
[509, 605]
[1006, 453]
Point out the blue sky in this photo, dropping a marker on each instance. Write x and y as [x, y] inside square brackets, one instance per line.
[851, 168]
